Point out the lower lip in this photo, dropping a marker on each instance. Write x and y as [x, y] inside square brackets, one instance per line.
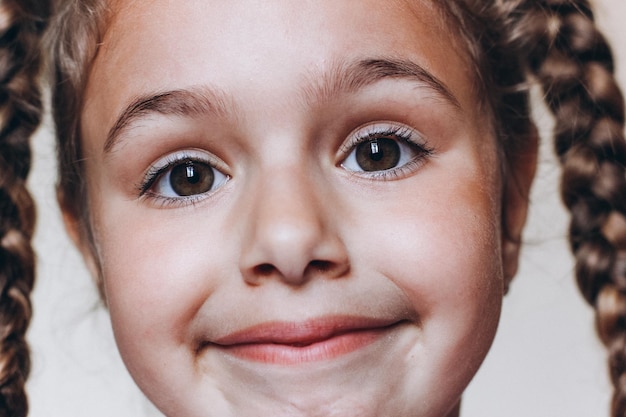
[284, 354]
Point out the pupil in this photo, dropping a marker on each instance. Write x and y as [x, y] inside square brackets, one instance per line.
[191, 178]
[378, 155]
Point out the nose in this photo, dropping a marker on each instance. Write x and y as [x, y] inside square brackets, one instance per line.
[291, 234]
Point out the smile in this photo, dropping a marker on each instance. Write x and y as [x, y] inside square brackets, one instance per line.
[290, 343]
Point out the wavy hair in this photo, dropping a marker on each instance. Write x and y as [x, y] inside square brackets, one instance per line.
[21, 26]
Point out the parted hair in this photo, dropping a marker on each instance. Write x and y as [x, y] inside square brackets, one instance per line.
[21, 25]
[513, 45]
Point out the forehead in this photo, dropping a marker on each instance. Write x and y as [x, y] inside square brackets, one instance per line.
[244, 46]
[354, 21]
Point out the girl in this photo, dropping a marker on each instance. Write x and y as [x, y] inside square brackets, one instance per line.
[315, 209]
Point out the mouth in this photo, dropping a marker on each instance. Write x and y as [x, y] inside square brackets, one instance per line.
[292, 343]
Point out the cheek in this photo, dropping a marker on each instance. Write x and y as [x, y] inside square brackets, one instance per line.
[442, 248]
[157, 273]
[447, 262]
[460, 263]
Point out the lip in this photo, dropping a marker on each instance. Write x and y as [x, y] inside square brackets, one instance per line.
[291, 343]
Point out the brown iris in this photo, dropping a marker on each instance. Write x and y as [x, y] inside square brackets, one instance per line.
[191, 178]
[378, 155]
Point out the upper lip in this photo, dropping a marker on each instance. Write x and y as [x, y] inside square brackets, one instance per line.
[302, 333]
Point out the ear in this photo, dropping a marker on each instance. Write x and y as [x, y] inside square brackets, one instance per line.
[520, 173]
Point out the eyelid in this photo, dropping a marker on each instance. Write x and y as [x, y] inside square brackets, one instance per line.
[163, 164]
[398, 131]
[376, 130]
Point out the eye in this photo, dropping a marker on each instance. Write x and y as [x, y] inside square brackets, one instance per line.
[377, 154]
[384, 149]
[182, 177]
[188, 178]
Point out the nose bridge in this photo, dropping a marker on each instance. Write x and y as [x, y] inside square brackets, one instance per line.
[287, 209]
[290, 235]
[295, 194]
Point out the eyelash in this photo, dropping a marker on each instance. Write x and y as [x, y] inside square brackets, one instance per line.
[155, 172]
[398, 132]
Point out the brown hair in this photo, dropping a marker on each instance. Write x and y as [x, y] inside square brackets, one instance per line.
[556, 43]
[21, 26]
[512, 44]
[75, 32]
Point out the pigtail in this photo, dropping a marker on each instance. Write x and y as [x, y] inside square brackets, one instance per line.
[514, 43]
[573, 63]
[21, 26]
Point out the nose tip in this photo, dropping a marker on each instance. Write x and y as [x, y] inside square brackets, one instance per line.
[291, 237]
[295, 254]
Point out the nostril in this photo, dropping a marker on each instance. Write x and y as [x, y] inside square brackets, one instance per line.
[314, 268]
[264, 270]
[321, 266]
[327, 268]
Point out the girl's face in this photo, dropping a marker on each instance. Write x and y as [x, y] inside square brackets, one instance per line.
[296, 206]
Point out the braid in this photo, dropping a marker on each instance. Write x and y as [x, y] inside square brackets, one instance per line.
[21, 25]
[556, 43]
[574, 65]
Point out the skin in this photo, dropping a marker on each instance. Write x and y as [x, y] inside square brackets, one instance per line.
[293, 235]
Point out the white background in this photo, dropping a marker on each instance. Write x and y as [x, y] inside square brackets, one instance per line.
[545, 361]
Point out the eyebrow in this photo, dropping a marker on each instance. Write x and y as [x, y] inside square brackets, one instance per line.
[350, 79]
[203, 100]
[196, 101]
